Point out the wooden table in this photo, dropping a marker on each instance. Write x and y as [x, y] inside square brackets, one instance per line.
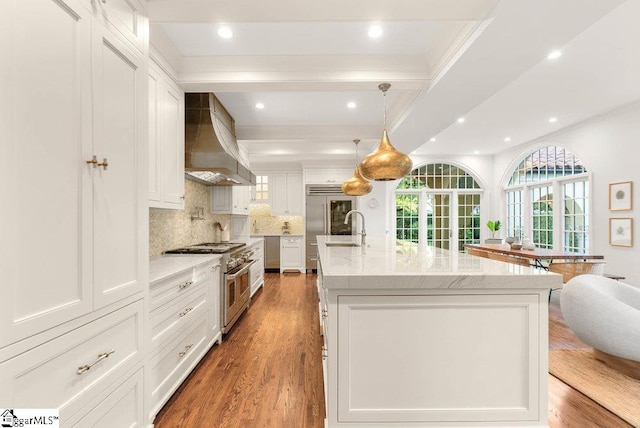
[536, 255]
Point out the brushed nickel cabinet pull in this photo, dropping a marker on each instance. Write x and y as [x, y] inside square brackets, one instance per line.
[104, 164]
[93, 161]
[101, 357]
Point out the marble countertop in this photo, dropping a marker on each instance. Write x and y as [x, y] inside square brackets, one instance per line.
[384, 263]
[162, 267]
[276, 234]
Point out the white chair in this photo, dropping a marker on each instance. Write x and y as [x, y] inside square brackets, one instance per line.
[605, 314]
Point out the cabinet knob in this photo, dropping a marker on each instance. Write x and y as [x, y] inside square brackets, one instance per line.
[94, 161]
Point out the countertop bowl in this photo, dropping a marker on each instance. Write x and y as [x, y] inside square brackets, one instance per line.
[510, 239]
[515, 246]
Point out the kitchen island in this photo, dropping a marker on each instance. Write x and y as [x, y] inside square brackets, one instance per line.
[416, 336]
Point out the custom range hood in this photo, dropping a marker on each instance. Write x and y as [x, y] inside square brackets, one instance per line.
[211, 151]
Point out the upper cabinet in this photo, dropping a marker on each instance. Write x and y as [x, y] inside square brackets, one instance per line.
[327, 176]
[286, 193]
[261, 192]
[127, 17]
[230, 199]
[74, 145]
[166, 141]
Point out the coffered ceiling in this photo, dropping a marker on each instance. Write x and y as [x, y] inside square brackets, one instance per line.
[484, 60]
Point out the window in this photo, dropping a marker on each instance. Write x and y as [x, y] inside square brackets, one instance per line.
[533, 212]
[438, 205]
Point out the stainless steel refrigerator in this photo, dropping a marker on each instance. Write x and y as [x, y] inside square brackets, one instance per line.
[326, 208]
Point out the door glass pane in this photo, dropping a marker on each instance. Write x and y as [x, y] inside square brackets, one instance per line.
[576, 216]
[437, 218]
[542, 216]
[468, 220]
[407, 217]
[514, 213]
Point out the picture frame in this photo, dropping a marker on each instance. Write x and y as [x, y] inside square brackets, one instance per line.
[620, 196]
[621, 232]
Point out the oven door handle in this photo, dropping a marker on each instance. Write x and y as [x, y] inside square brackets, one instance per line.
[242, 271]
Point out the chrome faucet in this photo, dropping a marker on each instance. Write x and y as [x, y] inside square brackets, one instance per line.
[364, 232]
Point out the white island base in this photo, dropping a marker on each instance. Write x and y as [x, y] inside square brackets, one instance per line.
[430, 338]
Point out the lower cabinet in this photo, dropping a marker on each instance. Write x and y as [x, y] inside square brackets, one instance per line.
[292, 253]
[256, 273]
[76, 371]
[184, 322]
[120, 408]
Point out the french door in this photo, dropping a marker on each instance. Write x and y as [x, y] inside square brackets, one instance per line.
[440, 219]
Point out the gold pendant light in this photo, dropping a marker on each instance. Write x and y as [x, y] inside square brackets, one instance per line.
[385, 163]
[356, 185]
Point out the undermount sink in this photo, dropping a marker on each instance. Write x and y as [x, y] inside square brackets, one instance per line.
[341, 244]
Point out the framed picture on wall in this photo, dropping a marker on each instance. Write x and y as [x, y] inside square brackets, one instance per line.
[621, 232]
[620, 197]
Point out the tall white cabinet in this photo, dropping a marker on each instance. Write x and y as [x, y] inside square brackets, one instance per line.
[74, 259]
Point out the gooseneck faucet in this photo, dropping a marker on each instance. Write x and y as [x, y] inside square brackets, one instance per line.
[364, 232]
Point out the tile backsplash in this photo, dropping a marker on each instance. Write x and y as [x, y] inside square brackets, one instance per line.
[262, 222]
[169, 229]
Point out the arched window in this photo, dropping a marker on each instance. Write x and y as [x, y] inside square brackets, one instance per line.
[533, 212]
[438, 204]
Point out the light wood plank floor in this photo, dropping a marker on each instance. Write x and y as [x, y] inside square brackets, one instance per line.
[268, 372]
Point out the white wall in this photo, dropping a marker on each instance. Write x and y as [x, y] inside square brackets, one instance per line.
[609, 148]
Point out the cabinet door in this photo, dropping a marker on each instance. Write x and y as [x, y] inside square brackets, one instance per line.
[128, 18]
[278, 194]
[45, 138]
[120, 204]
[155, 135]
[290, 253]
[221, 199]
[173, 146]
[294, 194]
[241, 200]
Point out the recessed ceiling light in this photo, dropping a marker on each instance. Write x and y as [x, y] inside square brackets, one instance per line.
[554, 55]
[433, 139]
[461, 120]
[553, 119]
[351, 104]
[507, 139]
[477, 152]
[225, 32]
[375, 31]
[259, 106]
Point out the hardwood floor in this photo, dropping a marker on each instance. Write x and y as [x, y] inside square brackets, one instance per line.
[268, 372]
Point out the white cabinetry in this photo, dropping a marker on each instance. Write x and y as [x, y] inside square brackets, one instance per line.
[91, 245]
[256, 273]
[128, 18]
[327, 176]
[286, 193]
[73, 108]
[166, 141]
[184, 322]
[230, 199]
[291, 253]
[70, 371]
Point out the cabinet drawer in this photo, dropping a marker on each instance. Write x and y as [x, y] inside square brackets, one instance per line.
[50, 375]
[176, 314]
[175, 360]
[169, 289]
[120, 408]
[290, 240]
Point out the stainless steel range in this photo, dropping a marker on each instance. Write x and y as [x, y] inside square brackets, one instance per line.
[236, 261]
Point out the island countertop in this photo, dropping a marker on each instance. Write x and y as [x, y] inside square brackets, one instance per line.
[387, 263]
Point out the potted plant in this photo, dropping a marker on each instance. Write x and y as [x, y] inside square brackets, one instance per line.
[494, 226]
